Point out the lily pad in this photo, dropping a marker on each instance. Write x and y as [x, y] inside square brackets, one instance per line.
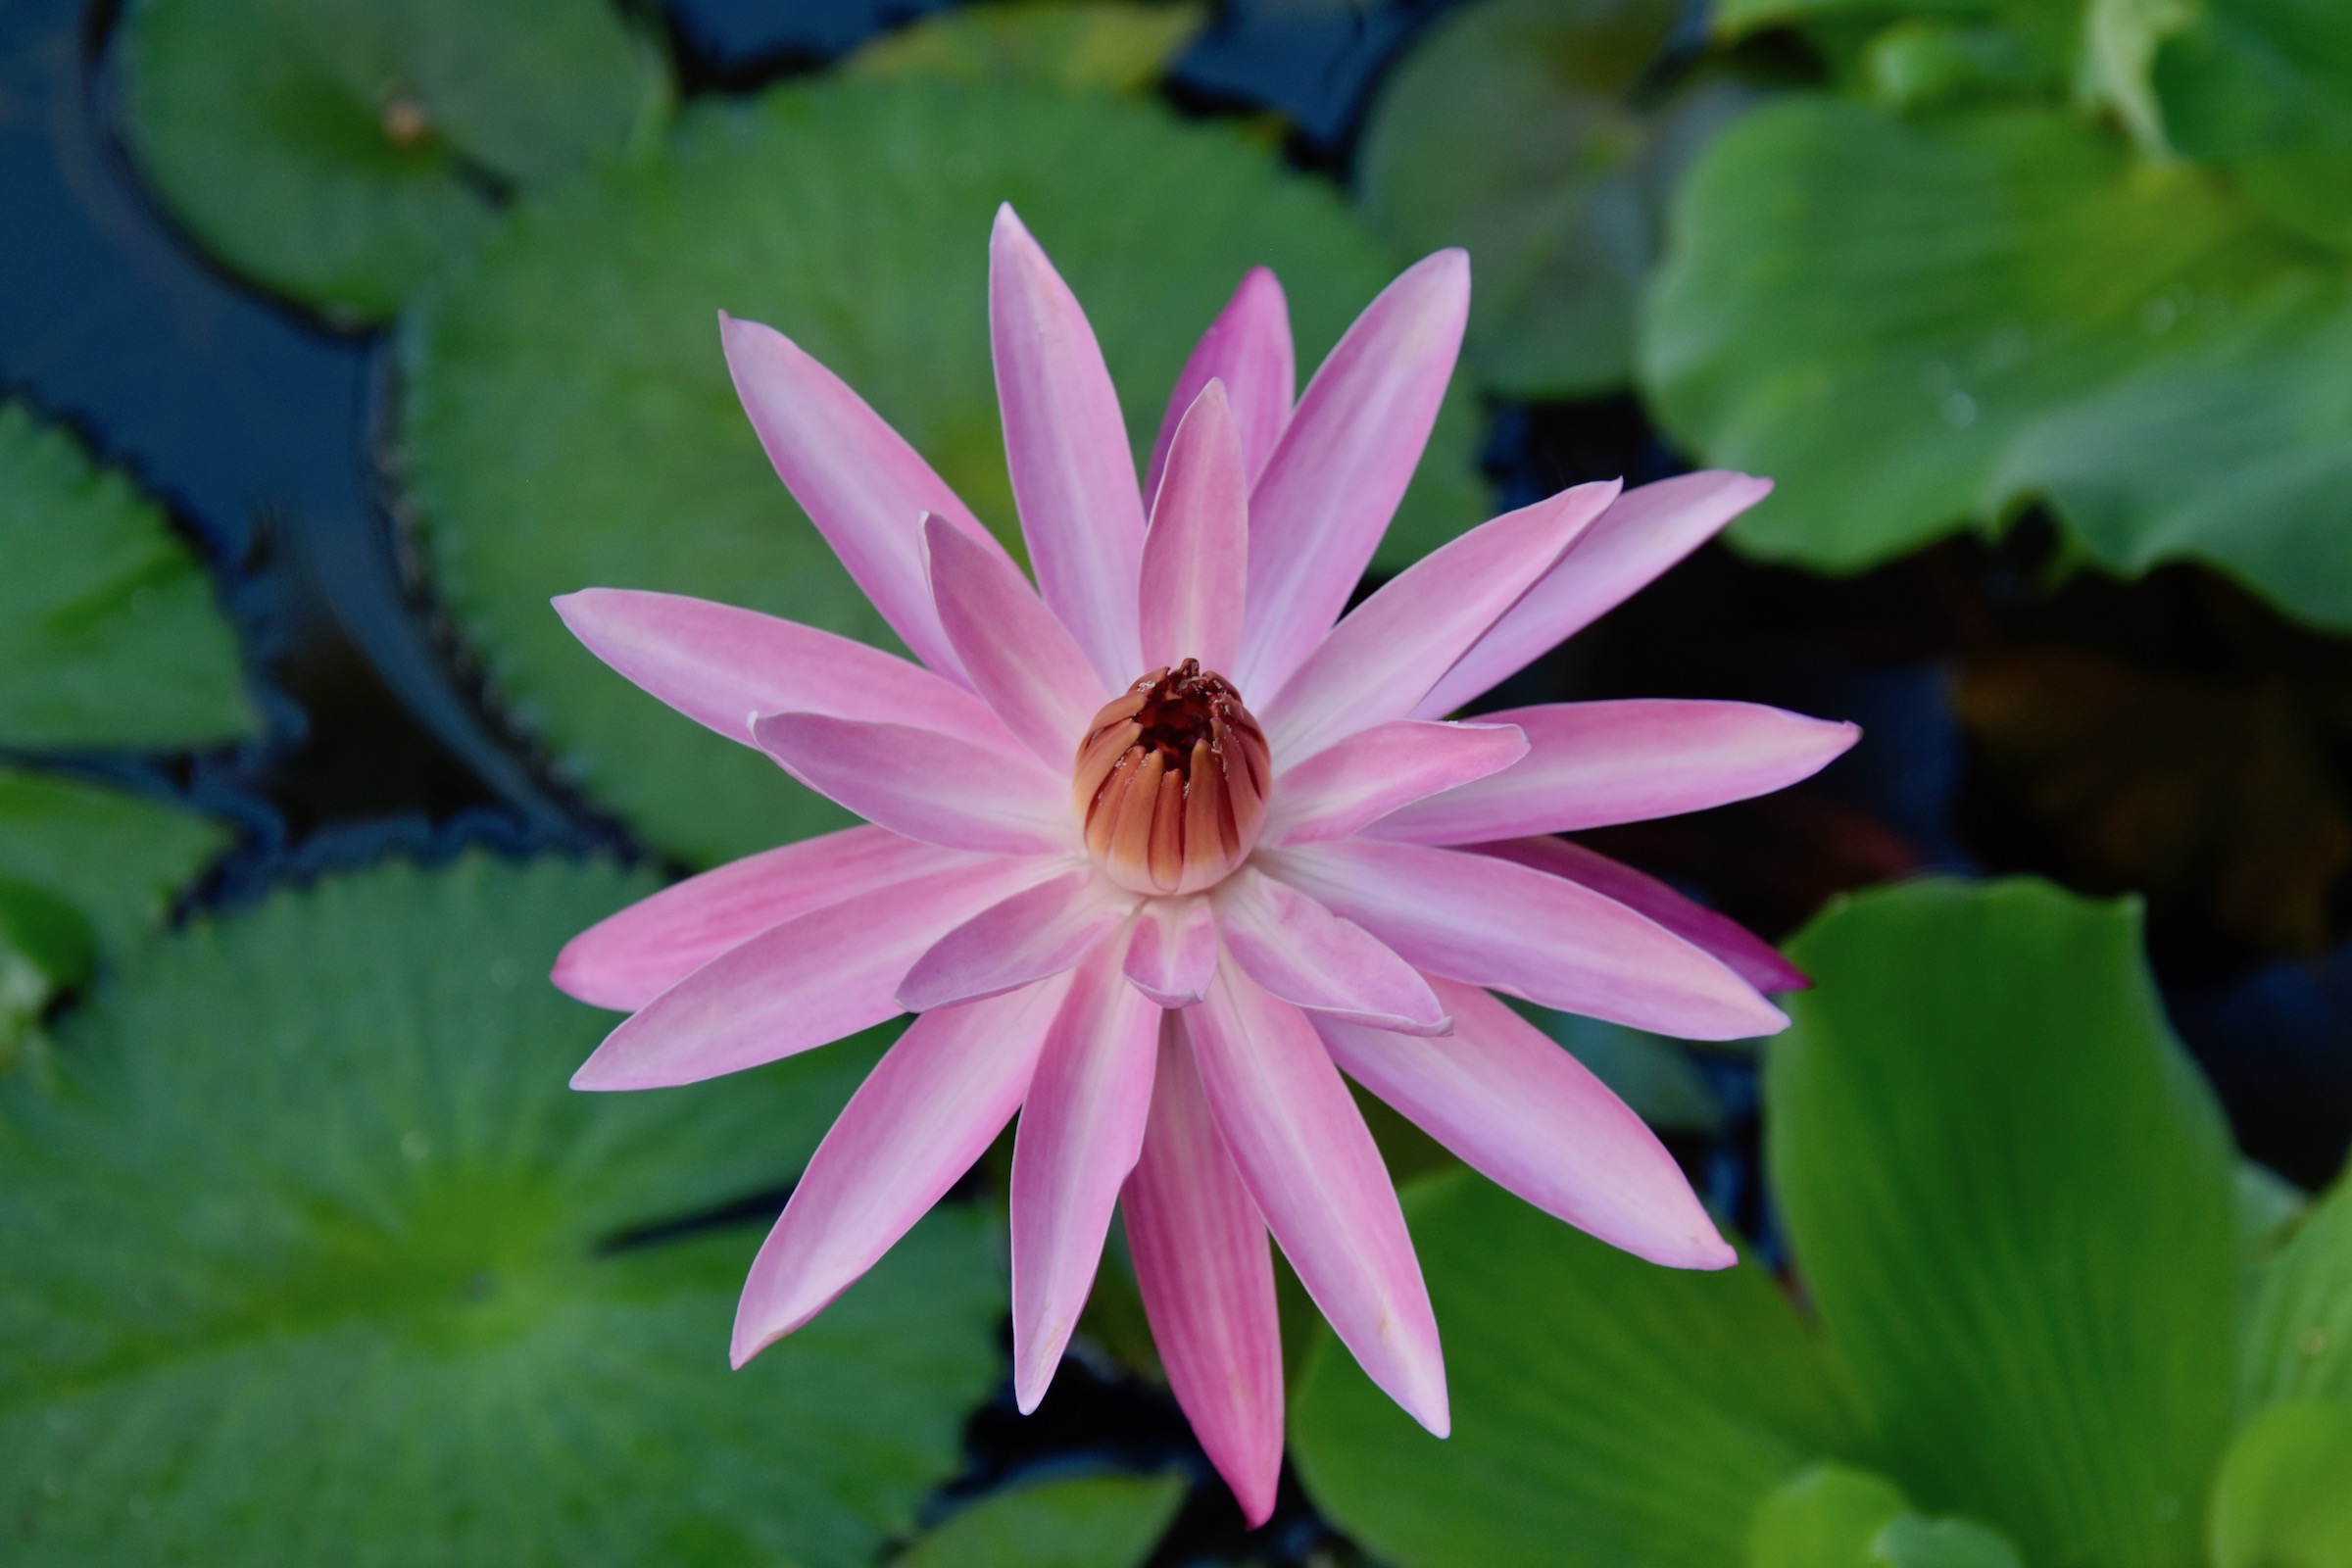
[1112, 45]
[1917, 326]
[116, 859]
[567, 420]
[314, 1258]
[1089, 1522]
[339, 151]
[1514, 129]
[2264, 88]
[109, 637]
[2011, 1199]
[1606, 1410]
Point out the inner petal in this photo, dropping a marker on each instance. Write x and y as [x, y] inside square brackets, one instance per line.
[1171, 781]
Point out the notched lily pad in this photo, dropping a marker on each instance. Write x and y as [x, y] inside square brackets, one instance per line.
[1920, 326]
[2264, 88]
[339, 151]
[568, 418]
[109, 637]
[314, 1257]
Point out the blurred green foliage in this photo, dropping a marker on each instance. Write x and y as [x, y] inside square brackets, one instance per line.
[339, 151]
[1086, 1522]
[2009, 1203]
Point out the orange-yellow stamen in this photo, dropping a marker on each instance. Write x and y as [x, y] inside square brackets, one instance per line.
[1171, 782]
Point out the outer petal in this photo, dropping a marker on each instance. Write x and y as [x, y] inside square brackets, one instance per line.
[1749, 956]
[1594, 763]
[1173, 955]
[1073, 475]
[1383, 659]
[923, 784]
[1019, 656]
[718, 665]
[1037, 932]
[1082, 1128]
[1310, 957]
[1197, 556]
[861, 485]
[1248, 347]
[1530, 1117]
[1208, 1281]
[927, 1110]
[1306, 1157]
[798, 985]
[1647, 531]
[627, 959]
[1475, 918]
[1373, 772]
[1343, 463]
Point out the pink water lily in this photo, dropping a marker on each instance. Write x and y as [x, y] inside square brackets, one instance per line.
[1159, 848]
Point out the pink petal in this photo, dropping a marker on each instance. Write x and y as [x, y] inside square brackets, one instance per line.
[1196, 557]
[1749, 955]
[1306, 1157]
[1647, 530]
[925, 785]
[627, 959]
[1529, 1116]
[930, 1107]
[1591, 764]
[1173, 953]
[1037, 932]
[1082, 1127]
[1475, 918]
[1074, 475]
[1019, 656]
[1309, 957]
[1343, 463]
[718, 665]
[1373, 772]
[1248, 347]
[798, 985]
[1383, 659]
[861, 485]
[1207, 1282]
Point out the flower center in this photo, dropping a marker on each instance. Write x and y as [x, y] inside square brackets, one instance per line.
[1171, 781]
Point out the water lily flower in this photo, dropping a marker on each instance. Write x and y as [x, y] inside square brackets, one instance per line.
[1161, 846]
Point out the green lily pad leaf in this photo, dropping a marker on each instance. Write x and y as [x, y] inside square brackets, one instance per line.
[2281, 1500]
[2264, 88]
[1092, 1522]
[1606, 1410]
[1114, 45]
[1513, 130]
[314, 1257]
[854, 217]
[339, 151]
[2010, 1198]
[108, 636]
[115, 858]
[1914, 326]
[1646, 1071]
[2298, 1332]
[1831, 1516]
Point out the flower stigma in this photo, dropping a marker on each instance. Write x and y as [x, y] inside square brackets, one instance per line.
[1171, 782]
